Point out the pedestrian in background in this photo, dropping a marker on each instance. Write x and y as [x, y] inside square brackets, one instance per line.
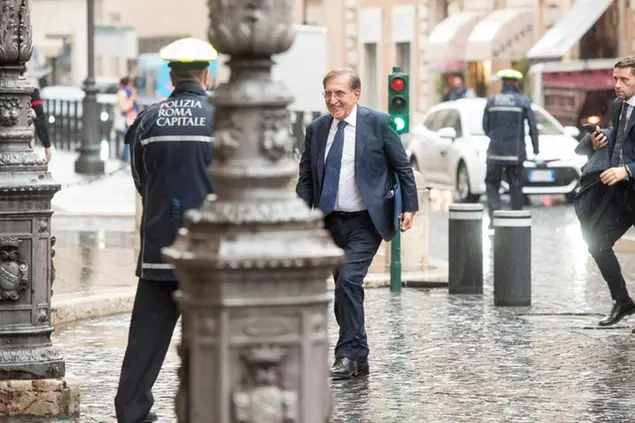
[40, 119]
[129, 109]
[41, 130]
[346, 170]
[457, 89]
[504, 123]
[605, 203]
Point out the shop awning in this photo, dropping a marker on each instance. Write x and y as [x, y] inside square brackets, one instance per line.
[504, 34]
[447, 39]
[569, 30]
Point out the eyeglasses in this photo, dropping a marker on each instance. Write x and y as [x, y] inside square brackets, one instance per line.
[338, 94]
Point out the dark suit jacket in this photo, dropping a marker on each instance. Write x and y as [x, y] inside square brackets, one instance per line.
[601, 160]
[379, 154]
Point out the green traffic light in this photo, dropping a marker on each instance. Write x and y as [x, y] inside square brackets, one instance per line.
[398, 101]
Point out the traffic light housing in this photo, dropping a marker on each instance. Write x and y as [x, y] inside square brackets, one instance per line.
[399, 100]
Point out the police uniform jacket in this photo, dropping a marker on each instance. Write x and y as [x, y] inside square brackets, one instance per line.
[504, 123]
[171, 151]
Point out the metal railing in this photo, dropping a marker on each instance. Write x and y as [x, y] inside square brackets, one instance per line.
[64, 121]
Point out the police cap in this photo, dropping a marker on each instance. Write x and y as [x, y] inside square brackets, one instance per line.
[188, 54]
[510, 74]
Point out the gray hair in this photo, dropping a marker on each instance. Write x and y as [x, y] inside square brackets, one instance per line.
[353, 78]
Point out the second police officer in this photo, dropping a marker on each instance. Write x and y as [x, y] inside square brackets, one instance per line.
[504, 123]
[170, 145]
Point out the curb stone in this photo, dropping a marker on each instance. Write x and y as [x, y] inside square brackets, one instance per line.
[68, 308]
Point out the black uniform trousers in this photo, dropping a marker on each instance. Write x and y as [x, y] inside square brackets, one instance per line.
[603, 230]
[494, 175]
[154, 317]
[355, 233]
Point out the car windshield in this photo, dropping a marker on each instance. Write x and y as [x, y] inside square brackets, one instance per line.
[474, 121]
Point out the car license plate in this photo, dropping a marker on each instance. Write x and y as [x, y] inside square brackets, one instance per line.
[542, 176]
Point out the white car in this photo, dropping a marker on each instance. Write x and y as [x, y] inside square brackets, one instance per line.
[450, 149]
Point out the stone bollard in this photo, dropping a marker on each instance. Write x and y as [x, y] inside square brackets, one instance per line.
[465, 249]
[414, 243]
[512, 258]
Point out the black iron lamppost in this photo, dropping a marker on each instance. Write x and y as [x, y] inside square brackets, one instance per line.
[89, 161]
[252, 264]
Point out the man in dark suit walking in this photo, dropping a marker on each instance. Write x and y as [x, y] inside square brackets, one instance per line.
[347, 171]
[605, 204]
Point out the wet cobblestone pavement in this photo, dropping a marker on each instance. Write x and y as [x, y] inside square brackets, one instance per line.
[441, 358]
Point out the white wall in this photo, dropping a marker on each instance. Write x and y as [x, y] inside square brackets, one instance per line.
[68, 17]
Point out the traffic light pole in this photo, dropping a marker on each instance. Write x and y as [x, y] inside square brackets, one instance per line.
[399, 109]
[395, 262]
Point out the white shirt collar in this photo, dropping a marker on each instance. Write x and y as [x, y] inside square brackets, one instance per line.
[351, 119]
[631, 101]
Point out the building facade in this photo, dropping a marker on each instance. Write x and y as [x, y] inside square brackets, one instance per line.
[426, 38]
[429, 38]
[125, 29]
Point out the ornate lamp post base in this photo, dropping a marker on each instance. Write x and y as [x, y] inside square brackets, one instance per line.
[31, 370]
[89, 161]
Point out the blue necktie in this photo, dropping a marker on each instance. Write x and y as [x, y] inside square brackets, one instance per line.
[332, 167]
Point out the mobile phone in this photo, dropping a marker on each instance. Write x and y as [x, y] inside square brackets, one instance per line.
[589, 128]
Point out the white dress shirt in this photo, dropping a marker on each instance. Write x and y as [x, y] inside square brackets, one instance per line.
[349, 198]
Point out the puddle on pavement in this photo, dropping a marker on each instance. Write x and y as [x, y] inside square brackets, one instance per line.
[587, 322]
[81, 223]
[97, 239]
[109, 332]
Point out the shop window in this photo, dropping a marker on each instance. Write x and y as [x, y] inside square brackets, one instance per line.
[601, 41]
[370, 78]
[402, 53]
[476, 78]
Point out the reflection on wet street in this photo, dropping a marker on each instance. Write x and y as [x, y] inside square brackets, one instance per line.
[434, 357]
[88, 260]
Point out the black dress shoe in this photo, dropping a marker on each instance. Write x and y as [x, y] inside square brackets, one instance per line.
[150, 418]
[345, 368]
[363, 367]
[618, 312]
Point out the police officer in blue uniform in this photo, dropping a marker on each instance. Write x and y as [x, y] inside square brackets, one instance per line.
[170, 144]
[504, 123]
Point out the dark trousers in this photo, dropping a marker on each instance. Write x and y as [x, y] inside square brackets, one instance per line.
[600, 235]
[355, 233]
[494, 176]
[154, 317]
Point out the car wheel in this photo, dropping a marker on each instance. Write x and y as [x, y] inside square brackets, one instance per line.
[463, 191]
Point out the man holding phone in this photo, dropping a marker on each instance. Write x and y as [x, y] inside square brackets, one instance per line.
[605, 204]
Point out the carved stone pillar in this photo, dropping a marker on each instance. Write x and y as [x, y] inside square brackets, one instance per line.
[26, 190]
[252, 264]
